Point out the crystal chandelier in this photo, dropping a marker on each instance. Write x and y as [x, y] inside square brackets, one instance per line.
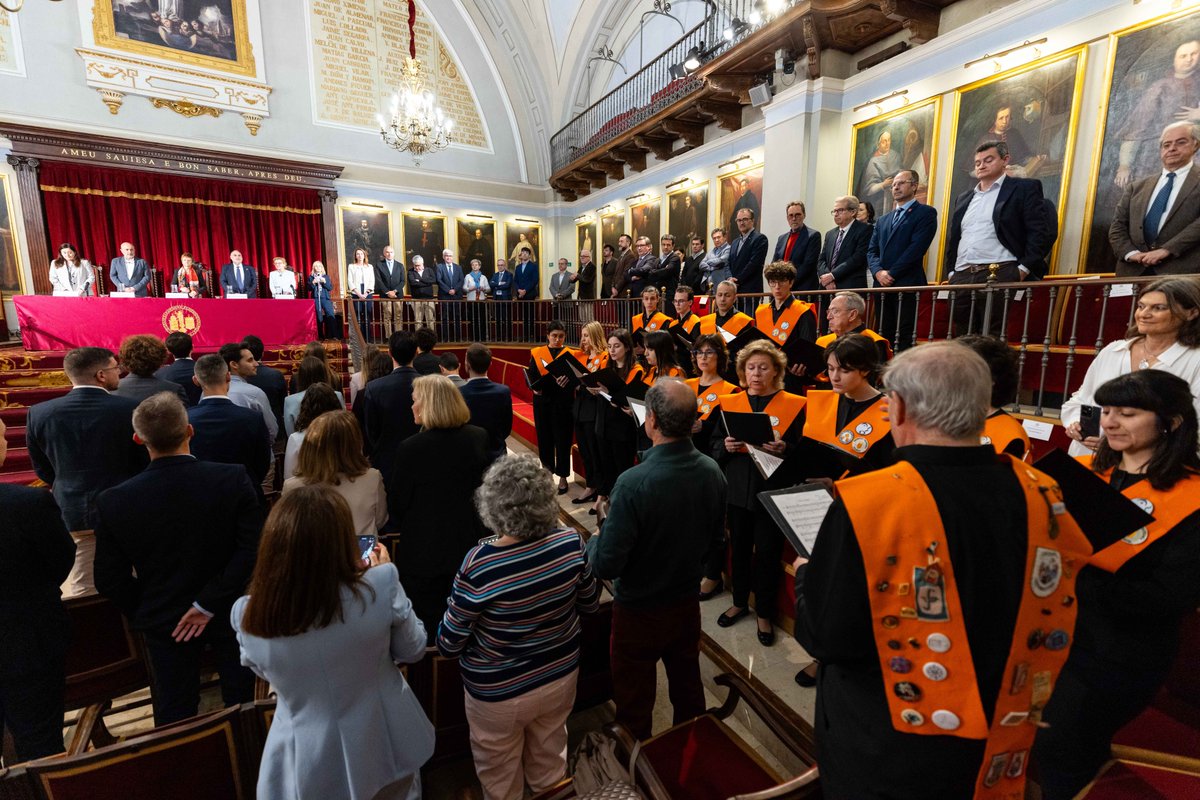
[415, 124]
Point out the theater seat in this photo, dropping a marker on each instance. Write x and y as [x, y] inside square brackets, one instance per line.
[1129, 780]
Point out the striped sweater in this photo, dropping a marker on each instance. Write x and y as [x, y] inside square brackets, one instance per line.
[512, 618]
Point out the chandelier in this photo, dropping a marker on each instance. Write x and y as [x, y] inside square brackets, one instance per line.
[415, 124]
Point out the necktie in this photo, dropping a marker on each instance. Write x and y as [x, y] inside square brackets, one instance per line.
[837, 246]
[791, 242]
[239, 277]
[1157, 210]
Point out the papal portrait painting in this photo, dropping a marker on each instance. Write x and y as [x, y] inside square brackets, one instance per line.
[585, 239]
[611, 228]
[1153, 80]
[477, 239]
[740, 190]
[198, 32]
[522, 234]
[367, 229]
[687, 215]
[424, 236]
[645, 219]
[884, 145]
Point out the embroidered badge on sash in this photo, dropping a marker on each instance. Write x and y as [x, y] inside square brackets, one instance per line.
[711, 397]
[1047, 572]
[1016, 767]
[845, 437]
[931, 595]
[863, 429]
[996, 768]
[784, 325]
[1137, 537]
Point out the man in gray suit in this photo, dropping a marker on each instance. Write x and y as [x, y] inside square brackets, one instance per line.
[1156, 230]
[129, 273]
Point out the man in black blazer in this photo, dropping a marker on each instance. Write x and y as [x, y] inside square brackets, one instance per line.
[386, 406]
[896, 256]
[389, 283]
[490, 402]
[1002, 221]
[421, 280]
[173, 560]
[665, 277]
[800, 246]
[180, 370]
[36, 554]
[843, 261]
[269, 379]
[239, 278]
[747, 257]
[224, 432]
[81, 444]
[128, 272]
[692, 275]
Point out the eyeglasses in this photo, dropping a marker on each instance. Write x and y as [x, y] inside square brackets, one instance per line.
[778, 282]
[703, 353]
[840, 210]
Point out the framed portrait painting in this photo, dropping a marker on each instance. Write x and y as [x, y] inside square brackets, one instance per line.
[585, 239]
[645, 219]
[210, 34]
[687, 215]
[522, 234]
[1153, 79]
[882, 146]
[423, 235]
[10, 265]
[611, 227]
[476, 239]
[1034, 109]
[741, 189]
[366, 229]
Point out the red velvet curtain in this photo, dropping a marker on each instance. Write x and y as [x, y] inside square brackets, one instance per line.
[96, 208]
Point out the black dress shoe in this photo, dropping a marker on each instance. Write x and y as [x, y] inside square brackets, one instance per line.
[591, 512]
[716, 590]
[806, 680]
[725, 620]
[766, 638]
[587, 498]
[562, 489]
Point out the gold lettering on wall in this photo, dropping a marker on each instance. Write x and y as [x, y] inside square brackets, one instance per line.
[10, 54]
[175, 164]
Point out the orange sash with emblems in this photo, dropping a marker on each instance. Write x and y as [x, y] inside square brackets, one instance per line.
[784, 407]
[652, 375]
[917, 617]
[542, 356]
[657, 323]
[859, 436]
[1169, 508]
[733, 325]
[1000, 430]
[779, 330]
[706, 398]
[830, 338]
[593, 363]
[688, 325]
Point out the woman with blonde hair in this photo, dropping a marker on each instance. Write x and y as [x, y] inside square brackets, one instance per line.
[319, 280]
[430, 503]
[332, 455]
[593, 354]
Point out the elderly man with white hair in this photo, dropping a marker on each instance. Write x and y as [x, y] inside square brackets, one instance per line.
[421, 280]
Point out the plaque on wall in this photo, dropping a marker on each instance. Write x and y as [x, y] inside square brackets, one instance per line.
[477, 239]
[883, 145]
[12, 62]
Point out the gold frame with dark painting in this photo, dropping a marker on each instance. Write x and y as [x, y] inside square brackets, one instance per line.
[611, 227]
[424, 235]
[471, 246]
[875, 155]
[736, 196]
[512, 239]
[12, 279]
[683, 223]
[645, 219]
[585, 239]
[373, 238]
[220, 41]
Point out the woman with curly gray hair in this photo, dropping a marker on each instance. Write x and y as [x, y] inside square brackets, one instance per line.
[513, 623]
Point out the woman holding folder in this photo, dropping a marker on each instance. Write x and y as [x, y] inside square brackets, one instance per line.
[616, 429]
[552, 405]
[1133, 594]
[593, 355]
[756, 540]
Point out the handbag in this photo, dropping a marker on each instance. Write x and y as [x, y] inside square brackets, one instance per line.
[597, 773]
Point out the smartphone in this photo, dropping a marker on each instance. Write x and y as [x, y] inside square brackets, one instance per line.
[1089, 421]
[365, 545]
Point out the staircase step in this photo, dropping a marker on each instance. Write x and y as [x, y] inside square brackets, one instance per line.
[32, 378]
[24, 398]
[18, 460]
[15, 436]
[13, 416]
[26, 478]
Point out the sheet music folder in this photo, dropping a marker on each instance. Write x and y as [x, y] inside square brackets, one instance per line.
[1104, 515]
[799, 512]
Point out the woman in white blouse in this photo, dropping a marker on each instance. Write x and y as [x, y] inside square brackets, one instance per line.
[282, 280]
[70, 275]
[1165, 335]
[360, 283]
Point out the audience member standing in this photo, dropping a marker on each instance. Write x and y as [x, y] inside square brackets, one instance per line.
[667, 515]
[714, 267]
[317, 400]
[450, 279]
[800, 246]
[626, 258]
[331, 455]
[843, 262]
[327, 323]
[896, 256]
[142, 355]
[224, 432]
[360, 284]
[427, 361]
[271, 380]
[180, 371]
[607, 271]
[421, 281]
[173, 560]
[748, 254]
[242, 366]
[448, 367]
[129, 273]
[386, 407]
[80, 445]
[490, 403]
[389, 285]
[36, 554]
[317, 350]
[311, 372]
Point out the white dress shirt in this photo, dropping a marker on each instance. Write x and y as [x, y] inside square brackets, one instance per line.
[978, 243]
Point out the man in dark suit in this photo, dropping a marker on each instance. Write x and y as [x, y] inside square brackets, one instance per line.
[179, 371]
[239, 278]
[801, 246]
[608, 272]
[421, 280]
[269, 379]
[173, 560]
[638, 276]
[843, 262]
[896, 256]
[389, 283]
[36, 554]
[1156, 230]
[526, 282]
[626, 258]
[670, 265]
[747, 257]
[692, 275]
[585, 277]
[490, 402]
[450, 291]
[386, 403]
[224, 432]
[81, 444]
[1001, 221]
[426, 361]
[129, 273]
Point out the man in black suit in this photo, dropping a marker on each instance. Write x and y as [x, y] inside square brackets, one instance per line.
[843, 262]
[224, 432]
[608, 272]
[692, 275]
[747, 257]
[427, 361]
[1001, 221]
[129, 273]
[896, 256]
[180, 370]
[386, 403]
[800, 246]
[36, 554]
[173, 560]
[389, 283]
[269, 379]
[490, 402]
[666, 277]
[81, 444]
[421, 280]
[239, 278]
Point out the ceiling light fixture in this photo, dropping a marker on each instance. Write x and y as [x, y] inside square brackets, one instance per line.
[416, 124]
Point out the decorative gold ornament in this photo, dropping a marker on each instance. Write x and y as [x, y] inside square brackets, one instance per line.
[253, 123]
[112, 98]
[185, 108]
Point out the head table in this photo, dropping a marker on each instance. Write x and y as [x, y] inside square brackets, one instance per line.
[63, 323]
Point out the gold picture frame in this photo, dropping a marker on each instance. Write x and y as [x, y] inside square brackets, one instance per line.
[612, 227]
[424, 235]
[513, 241]
[682, 223]
[10, 248]
[585, 239]
[923, 119]
[731, 192]
[376, 235]
[645, 219]
[130, 35]
[1044, 91]
[469, 246]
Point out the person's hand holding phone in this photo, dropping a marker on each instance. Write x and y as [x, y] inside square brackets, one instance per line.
[378, 555]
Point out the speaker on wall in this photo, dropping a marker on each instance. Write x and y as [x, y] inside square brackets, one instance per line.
[760, 94]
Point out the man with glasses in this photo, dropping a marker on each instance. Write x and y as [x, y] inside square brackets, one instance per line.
[747, 254]
[847, 314]
[638, 275]
[800, 246]
[896, 256]
[81, 444]
[843, 261]
[686, 326]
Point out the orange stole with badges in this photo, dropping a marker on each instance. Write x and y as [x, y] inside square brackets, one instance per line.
[542, 356]
[652, 375]
[592, 363]
[783, 408]
[859, 436]
[733, 325]
[1169, 508]
[830, 338]
[689, 325]
[1000, 430]
[918, 621]
[779, 330]
[658, 322]
[706, 402]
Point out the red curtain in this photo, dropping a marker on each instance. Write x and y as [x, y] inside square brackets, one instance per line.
[96, 209]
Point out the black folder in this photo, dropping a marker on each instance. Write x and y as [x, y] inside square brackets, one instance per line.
[637, 390]
[822, 460]
[563, 367]
[802, 351]
[748, 426]
[1104, 515]
[537, 381]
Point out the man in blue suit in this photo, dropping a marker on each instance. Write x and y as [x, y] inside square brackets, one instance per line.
[526, 281]
[801, 246]
[896, 256]
[490, 402]
[129, 273]
[747, 257]
[224, 432]
[450, 292]
[239, 278]
[180, 370]
[384, 408]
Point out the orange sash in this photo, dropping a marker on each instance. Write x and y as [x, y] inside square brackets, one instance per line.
[542, 356]
[706, 403]
[652, 375]
[830, 338]
[657, 322]
[689, 325]
[820, 423]
[593, 363]
[783, 408]
[917, 615]
[779, 330]
[1169, 509]
[733, 325]
[1000, 430]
